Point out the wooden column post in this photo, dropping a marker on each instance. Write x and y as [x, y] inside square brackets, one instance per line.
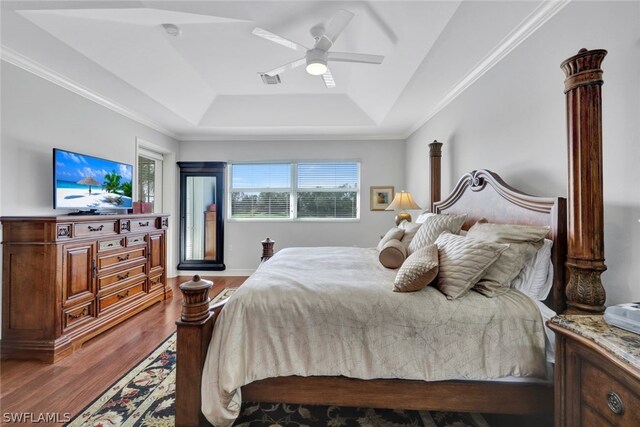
[435, 155]
[585, 255]
[267, 249]
[194, 332]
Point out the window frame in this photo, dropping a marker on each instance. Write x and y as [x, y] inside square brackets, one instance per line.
[293, 192]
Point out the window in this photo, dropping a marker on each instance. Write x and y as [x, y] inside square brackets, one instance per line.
[319, 190]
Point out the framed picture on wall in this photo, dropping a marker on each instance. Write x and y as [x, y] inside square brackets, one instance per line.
[381, 197]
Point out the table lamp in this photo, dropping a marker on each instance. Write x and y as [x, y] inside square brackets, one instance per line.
[402, 201]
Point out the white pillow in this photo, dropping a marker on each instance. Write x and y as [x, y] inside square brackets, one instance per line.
[410, 230]
[536, 278]
[422, 217]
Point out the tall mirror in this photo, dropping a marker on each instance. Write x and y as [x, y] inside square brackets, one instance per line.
[201, 215]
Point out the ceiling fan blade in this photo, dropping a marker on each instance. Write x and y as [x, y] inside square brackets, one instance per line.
[285, 67]
[260, 32]
[362, 58]
[327, 78]
[337, 24]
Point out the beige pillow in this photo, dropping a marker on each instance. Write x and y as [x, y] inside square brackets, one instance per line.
[463, 261]
[432, 227]
[524, 241]
[410, 230]
[393, 233]
[393, 254]
[418, 270]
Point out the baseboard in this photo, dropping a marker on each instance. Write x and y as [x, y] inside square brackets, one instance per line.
[227, 272]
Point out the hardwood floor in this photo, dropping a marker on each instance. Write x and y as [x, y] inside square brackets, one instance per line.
[65, 388]
[30, 388]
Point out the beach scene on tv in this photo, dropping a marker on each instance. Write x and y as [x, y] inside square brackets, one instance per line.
[85, 182]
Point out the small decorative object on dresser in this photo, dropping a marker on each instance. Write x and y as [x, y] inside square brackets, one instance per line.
[381, 197]
[597, 373]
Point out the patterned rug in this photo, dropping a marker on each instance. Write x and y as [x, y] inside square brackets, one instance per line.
[145, 396]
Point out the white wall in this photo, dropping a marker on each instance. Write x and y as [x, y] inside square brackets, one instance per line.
[36, 117]
[512, 121]
[382, 163]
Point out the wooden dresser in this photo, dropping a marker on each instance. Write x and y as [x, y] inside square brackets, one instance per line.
[597, 373]
[68, 278]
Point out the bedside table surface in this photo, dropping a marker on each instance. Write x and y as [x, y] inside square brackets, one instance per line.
[623, 344]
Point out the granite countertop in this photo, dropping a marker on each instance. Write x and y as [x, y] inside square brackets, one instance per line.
[623, 344]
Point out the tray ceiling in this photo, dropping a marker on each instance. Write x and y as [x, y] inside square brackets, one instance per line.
[205, 83]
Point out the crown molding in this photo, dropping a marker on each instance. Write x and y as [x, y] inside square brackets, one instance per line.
[545, 11]
[27, 64]
[290, 137]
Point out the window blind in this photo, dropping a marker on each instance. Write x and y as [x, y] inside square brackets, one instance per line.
[323, 190]
[261, 190]
[327, 190]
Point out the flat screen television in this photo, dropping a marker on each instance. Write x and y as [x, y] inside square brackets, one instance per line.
[88, 183]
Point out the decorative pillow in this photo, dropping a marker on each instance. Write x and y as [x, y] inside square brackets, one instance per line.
[410, 230]
[393, 254]
[536, 278]
[432, 227]
[524, 241]
[422, 217]
[418, 270]
[463, 261]
[393, 233]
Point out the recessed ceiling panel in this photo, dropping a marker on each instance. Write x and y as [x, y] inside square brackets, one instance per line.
[205, 81]
[296, 111]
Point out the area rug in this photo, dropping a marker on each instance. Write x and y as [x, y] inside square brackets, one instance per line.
[145, 396]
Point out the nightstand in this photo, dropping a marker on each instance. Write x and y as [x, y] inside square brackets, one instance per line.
[597, 373]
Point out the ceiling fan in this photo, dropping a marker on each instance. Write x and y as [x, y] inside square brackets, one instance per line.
[318, 57]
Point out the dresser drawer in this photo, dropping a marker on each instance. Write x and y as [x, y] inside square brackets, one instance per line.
[609, 397]
[117, 278]
[121, 297]
[83, 229]
[113, 260]
[76, 316]
[111, 244]
[143, 224]
[136, 240]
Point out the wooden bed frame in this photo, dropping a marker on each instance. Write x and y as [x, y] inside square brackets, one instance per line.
[479, 193]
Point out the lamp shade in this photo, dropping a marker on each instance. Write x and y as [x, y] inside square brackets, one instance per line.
[403, 200]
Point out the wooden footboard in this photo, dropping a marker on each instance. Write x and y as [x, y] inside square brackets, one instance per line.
[451, 396]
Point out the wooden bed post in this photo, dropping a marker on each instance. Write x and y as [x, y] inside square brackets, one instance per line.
[267, 249]
[585, 255]
[194, 332]
[435, 155]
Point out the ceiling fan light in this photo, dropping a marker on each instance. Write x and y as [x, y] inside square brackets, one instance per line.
[316, 68]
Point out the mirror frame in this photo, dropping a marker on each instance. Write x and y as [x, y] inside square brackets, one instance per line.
[204, 169]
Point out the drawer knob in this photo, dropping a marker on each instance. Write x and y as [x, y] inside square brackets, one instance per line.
[83, 313]
[123, 276]
[123, 258]
[123, 294]
[615, 403]
[95, 228]
[143, 224]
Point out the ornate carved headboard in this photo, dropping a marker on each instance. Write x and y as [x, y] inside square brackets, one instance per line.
[578, 240]
[483, 194]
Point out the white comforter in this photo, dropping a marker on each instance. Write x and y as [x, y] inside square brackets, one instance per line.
[331, 311]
